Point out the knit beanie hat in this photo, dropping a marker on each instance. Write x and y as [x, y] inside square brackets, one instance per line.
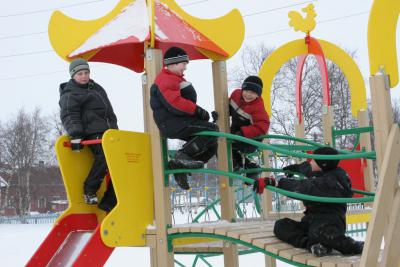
[253, 83]
[175, 55]
[77, 65]
[327, 164]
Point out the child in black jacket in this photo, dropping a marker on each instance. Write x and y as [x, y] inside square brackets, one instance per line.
[324, 224]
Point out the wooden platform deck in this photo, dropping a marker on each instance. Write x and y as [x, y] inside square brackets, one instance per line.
[260, 235]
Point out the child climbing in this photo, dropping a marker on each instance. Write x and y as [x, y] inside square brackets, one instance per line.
[249, 119]
[173, 101]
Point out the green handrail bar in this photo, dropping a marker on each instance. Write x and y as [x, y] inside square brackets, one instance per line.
[368, 155]
[357, 131]
[171, 237]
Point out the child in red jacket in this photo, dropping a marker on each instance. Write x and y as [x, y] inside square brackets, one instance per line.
[249, 119]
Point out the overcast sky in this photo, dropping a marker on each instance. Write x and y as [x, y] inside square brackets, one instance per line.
[30, 73]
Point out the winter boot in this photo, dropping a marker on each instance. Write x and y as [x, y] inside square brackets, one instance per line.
[182, 180]
[183, 161]
[358, 247]
[318, 250]
[90, 198]
[252, 165]
[108, 201]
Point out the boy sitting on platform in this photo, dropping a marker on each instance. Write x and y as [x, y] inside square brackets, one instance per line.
[324, 225]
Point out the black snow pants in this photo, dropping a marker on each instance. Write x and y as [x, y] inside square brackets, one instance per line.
[199, 147]
[327, 229]
[98, 171]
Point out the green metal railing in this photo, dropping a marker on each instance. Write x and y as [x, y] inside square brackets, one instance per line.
[357, 131]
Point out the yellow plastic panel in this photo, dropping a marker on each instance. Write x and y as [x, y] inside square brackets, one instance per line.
[66, 34]
[358, 218]
[382, 26]
[334, 53]
[74, 168]
[217, 30]
[129, 162]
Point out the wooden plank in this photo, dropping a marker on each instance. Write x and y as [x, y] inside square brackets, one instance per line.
[261, 242]
[290, 253]
[249, 238]
[303, 258]
[277, 247]
[383, 200]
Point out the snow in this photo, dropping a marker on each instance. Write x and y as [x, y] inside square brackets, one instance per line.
[132, 21]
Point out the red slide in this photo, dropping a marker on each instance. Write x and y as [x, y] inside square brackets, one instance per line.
[74, 241]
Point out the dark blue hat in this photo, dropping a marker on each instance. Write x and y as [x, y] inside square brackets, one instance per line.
[253, 83]
[327, 164]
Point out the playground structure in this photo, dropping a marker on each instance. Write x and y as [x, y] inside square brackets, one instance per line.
[136, 160]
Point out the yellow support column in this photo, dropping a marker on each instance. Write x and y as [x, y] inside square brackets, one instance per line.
[227, 195]
[159, 255]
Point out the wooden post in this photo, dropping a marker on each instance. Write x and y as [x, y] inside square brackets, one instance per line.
[327, 123]
[382, 113]
[391, 256]
[267, 203]
[227, 195]
[159, 255]
[365, 141]
[382, 207]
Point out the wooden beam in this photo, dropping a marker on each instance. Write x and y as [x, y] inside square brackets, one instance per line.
[365, 141]
[153, 65]
[221, 102]
[382, 206]
[391, 256]
[327, 124]
[382, 113]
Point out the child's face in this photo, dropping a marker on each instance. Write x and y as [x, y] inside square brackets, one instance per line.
[178, 68]
[249, 95]
[82, 76]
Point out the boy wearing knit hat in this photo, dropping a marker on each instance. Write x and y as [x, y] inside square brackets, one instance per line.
[177, 115]
[324, 225]
[249, 119]
[86, 113]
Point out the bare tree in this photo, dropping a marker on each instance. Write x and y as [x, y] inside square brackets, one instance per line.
[24, 140]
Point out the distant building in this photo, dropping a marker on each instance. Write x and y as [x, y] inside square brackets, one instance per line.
[47, 191]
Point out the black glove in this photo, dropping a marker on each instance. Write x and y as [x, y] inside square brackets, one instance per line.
[303, 168]
[214, 116]
[261, 183]
[76, 145]
[202, 114]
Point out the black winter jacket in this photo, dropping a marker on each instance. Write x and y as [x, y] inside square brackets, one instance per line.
[85, 109]
[334, 183]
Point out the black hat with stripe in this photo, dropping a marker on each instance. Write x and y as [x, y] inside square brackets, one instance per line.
[253, 83]
[175, 55]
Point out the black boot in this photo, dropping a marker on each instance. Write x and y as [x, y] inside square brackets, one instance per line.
[183, 161]
[251, 165]
[109, 200]
[319, 250]
[182, 180]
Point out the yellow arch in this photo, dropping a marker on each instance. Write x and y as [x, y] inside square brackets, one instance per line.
[382, 26]
[297, 48]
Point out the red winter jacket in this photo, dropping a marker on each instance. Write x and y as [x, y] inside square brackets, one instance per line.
[172, 105]
[250, 118]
